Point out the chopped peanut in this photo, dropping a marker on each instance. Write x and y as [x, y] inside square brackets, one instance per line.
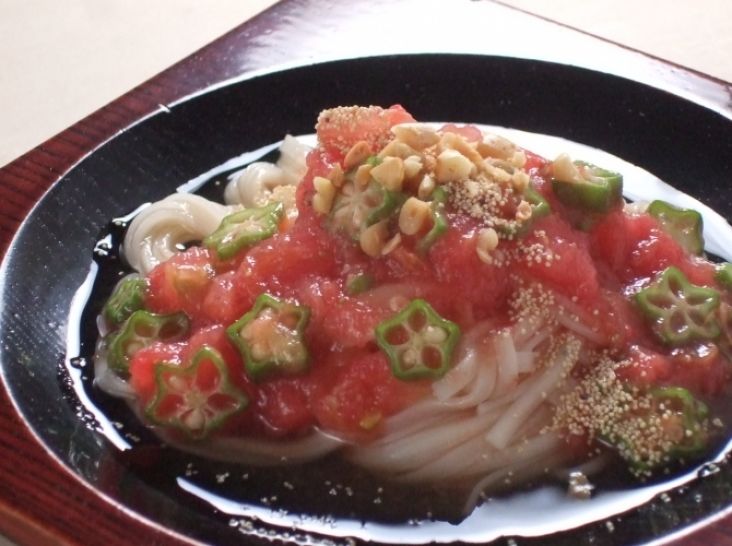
[497, 170]
[413, 215]
[518, 159]
[412, 166]
[564, 169]
[452, 166]
[430, 161]
[426, 187]
[397, 149]
[520, 181]
[417, 135]
[391, 244]
[484, 256]
[451, 141]
[324, 194]
[363, 175]
[389, 173]
[324, 187]
[336, 176]
[487, 243]
[497, 147]
[372, 238]
[523, 211]
[357, 155]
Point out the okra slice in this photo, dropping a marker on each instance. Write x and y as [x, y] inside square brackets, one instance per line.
[682, 421]
[539, 208]
[128, 297]
[418, 342]
[355, 208]
[270, 337]
[586, 186]
[684, 225]
[679, 311]
[725, 325]
[723, 275]
[196, 399]
[439, 221]
[241, 230]
[685, 419]
[140, 330]
[358, 283]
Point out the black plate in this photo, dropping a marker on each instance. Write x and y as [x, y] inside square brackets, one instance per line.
[681, 142]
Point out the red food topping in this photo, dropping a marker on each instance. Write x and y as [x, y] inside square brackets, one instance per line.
[348, 385]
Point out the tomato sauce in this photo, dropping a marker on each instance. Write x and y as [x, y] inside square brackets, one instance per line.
[349, 386]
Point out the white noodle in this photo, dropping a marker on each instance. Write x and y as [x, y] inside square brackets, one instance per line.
[399, 433]
[537, 339]
[497, 402]
[262, 452]
[480, 389]
[574, 325]
[529, 460]
[253, 186]
[507, 362]
[423, 447]
[155, 233]
[525, 361]
[451, 464]
[462, 374]
[502, 432]
[106, 379]
[292, 159]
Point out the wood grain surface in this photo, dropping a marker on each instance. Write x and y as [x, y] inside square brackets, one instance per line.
[41, 502]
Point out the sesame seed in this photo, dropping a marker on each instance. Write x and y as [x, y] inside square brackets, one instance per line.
[603, 406]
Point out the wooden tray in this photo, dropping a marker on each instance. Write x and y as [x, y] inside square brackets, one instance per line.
[42, 501]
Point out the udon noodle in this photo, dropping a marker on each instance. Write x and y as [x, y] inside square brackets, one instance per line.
[504, 404]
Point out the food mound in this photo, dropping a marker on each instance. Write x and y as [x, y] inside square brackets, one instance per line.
[436, 302]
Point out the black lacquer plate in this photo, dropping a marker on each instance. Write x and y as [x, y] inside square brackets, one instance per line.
[681, 142]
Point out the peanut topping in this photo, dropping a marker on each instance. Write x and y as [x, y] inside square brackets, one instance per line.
[497, 171]
[518, 159]
[389, 173]
[373, 237]
[484, 180]
[564, 169]
[391, 244]
[397, 149]
[452, 166]
[336, 176]
[487, 243]
[357, 155]
[523, 211]
[451, 141]
[324, 194]
[417, 135]
[520, 181]
[426, 187]
[412, 166]
[496, 146]
[414, 214]
[363, 175]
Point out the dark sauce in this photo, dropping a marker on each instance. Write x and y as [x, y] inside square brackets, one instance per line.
[330, 496]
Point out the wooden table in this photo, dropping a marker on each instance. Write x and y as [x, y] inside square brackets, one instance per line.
[43, 503]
